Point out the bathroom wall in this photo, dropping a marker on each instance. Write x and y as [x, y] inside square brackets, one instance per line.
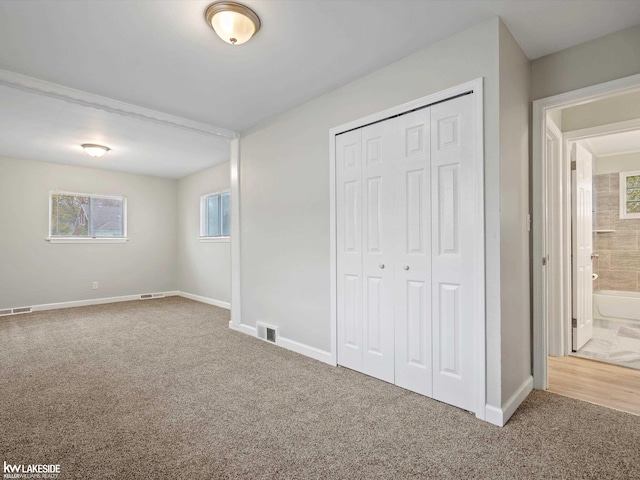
[618, 266]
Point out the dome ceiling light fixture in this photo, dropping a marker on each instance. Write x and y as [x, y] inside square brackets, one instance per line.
[233, 22]
[95, 150]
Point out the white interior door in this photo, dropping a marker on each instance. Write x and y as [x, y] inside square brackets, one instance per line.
[365, 246]
[349, 249]
[377, 258]
[407, 230]
[454, 236]
[412, 256]
[582, 221]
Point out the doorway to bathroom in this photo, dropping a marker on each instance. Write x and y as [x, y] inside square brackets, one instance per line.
[587, 239]
[605, 193]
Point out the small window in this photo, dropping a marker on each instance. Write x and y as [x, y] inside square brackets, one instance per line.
[85, 216]
[214, 216]
[630, 194]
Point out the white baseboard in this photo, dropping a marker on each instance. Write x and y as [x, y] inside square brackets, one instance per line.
[302, 349]
[244, 329]
[126, 298]
[93, 301]
[493, 415]
[292, 345]
[208, 301]
[500, 416]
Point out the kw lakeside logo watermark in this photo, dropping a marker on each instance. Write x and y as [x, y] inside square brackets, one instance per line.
[31, 471]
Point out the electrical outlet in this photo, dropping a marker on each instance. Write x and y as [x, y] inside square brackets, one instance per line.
[95, 285]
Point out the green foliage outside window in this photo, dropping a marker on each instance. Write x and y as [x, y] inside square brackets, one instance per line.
[74, 215]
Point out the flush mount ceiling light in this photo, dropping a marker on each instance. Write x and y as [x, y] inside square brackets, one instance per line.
[233, 22]
[95, 150]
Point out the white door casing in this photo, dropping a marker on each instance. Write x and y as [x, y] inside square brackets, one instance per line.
[582, 220]
[453, 251]
[554, 213]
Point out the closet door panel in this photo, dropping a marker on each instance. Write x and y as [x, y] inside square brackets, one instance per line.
[349, 249]
[377, 257]
[452, 169]
[412, 251]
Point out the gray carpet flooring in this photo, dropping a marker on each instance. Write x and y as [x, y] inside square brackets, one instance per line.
[164, 389]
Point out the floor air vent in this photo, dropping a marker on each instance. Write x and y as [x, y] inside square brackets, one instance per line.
[147, 296]
[15, 311]
[267, 332]
[22, 310]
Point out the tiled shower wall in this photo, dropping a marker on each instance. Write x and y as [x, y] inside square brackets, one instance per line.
[618, 267]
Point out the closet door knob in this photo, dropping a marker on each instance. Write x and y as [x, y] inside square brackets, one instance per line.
[406, 267]
[381, 266]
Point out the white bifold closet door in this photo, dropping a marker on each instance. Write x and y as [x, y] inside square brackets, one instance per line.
[454, 261]
[365, 265]
[412, 252]
[405, 271]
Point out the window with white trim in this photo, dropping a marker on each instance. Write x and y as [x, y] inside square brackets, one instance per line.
[84, 216]
[214, 216]
[630, 194]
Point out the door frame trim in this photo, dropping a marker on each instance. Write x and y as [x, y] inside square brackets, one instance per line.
[540, 202]
[556, 178]
[480, 320]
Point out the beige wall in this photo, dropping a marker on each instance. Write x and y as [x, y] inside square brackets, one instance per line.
[285, 189]
[515, 310]
[617, 163]
[602, 112]
[34, 271]
[603, 59]
[204, 268]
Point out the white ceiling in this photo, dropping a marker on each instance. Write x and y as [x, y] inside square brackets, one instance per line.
[161, 55]
[615, 144]
[37, 127]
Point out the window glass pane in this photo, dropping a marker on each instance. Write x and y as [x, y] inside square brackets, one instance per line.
[213, 216]
[633, 207]
[633, 194]
[633, 181]
[106, 219]
[226, 229]
[86, 216]
[69, 215]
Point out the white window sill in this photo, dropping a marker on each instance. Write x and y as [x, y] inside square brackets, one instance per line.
[215, 239]
[85, 240]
